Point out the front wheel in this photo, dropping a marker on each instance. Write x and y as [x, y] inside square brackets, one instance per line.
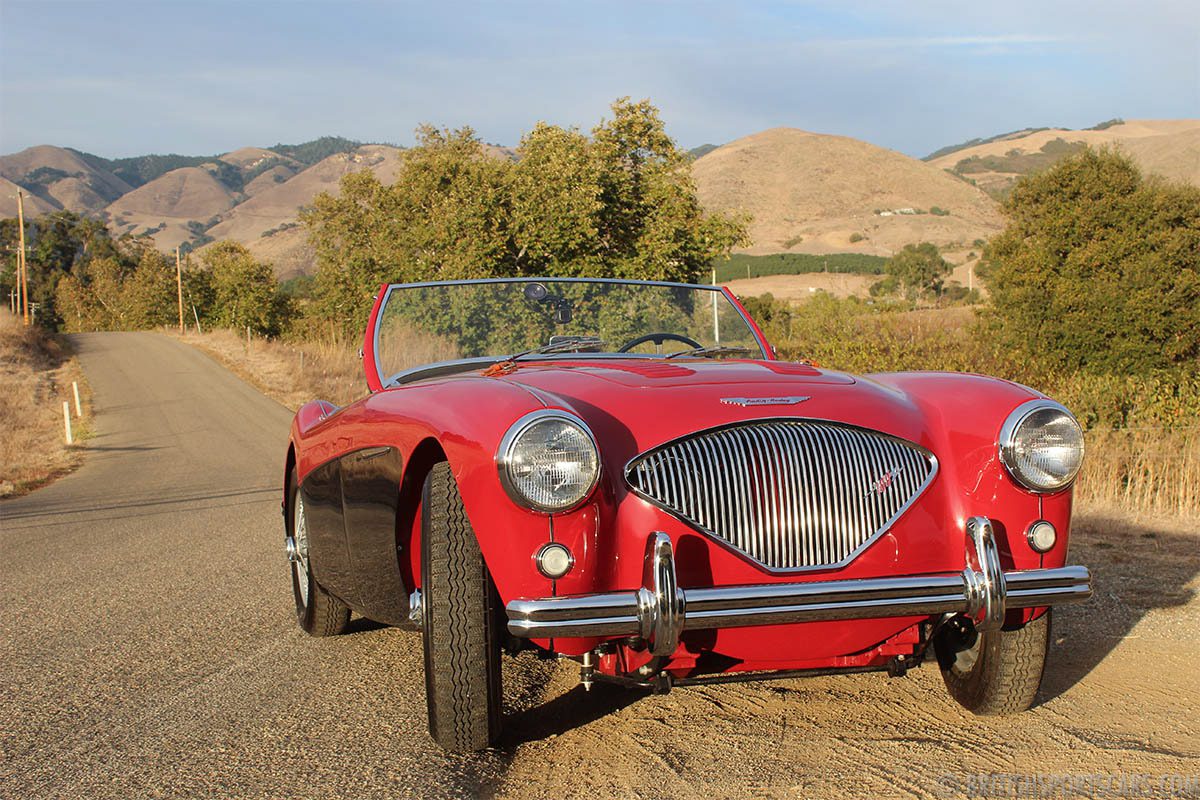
[460, 622]
[1000, 671]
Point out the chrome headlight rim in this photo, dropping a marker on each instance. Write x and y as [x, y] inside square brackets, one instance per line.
[504, 459]
[1007, 440]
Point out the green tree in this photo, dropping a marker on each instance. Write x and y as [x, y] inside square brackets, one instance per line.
[917, 271]
[94, 298]
[1098, 269]
[148, 295]
[59, 243]
[244, 290]
[618, 203]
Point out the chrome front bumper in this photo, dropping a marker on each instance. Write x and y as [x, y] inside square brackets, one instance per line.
[660, 611]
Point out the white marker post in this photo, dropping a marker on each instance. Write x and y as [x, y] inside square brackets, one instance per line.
[67, 421]
[75, 389]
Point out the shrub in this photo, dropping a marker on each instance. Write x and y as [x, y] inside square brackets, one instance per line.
[1098, 270]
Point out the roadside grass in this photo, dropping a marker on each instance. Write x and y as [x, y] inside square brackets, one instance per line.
[290, 372]
[36, 371]
[1142, 470]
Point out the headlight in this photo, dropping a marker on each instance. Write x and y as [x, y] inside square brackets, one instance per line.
[548, 461]
[1041, 446]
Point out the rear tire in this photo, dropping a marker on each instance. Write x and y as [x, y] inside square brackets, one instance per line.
[1001, 672]
[460, 623]
[318, 612]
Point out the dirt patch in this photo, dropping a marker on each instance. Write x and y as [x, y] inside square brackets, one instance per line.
[1121, 697]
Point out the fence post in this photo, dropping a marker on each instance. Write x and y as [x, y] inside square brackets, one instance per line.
[75, 389]
[67, 421]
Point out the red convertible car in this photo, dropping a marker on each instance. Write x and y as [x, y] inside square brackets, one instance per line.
[622, 473]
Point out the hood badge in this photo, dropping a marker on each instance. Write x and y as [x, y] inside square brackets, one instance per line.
[746, 402]
[884, 482]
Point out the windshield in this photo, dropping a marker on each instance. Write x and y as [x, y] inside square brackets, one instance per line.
[444, 322]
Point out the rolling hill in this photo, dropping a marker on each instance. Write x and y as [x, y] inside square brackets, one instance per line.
[173, 207]
[807, 192]
[1170, 148]
[62, 178]
[814, 193]
[267, 222]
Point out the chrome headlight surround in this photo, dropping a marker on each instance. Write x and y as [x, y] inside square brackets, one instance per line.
[515, 470]
[1016, 446]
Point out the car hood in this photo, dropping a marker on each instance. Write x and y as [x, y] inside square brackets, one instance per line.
[637, 404]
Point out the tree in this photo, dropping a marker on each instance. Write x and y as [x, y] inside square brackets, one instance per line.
[918, 270]
[620, 203]
[60, 243]
[244, 290]
[1099, 268]
[148, 294]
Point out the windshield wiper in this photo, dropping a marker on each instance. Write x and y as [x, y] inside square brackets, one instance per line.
[705, 352]
[565, 344]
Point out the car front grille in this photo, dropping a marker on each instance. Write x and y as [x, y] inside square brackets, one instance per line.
[790, 494]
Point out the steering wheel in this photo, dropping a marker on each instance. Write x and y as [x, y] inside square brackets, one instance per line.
[658, 338]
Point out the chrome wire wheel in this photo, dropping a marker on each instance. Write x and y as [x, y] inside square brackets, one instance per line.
[300, 552]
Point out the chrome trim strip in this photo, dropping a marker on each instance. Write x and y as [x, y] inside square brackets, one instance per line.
[810, 522]
[641, 613]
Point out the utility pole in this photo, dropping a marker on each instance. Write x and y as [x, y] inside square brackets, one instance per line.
[179, 287]
[22, 267]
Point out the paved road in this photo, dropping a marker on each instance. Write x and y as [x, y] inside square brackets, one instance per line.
[147, 641]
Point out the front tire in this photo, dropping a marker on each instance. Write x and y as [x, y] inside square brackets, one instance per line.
[318, 612]
[460, 623]
[1000, 673]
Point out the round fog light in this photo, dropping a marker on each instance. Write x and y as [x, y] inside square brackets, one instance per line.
[1041, 536]
[554, 560]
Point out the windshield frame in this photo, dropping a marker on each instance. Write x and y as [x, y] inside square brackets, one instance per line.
[374, 370]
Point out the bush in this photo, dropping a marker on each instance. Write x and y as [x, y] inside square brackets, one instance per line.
[1098, 270]
[856, 237]
[918, 270]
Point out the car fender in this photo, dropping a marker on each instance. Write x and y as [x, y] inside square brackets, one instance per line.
[965, 413]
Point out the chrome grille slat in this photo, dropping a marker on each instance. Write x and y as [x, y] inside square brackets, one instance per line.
[788, 493]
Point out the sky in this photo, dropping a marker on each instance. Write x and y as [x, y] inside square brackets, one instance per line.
[127, 78]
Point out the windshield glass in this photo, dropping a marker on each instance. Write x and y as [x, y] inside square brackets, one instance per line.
[438, 322]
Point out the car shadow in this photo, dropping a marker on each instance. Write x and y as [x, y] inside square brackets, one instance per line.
[572, 709]
[1137, 567]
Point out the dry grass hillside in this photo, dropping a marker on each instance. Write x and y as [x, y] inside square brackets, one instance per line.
[812, 193]
[34, 205]
[246, 158]
[264, 168]
[60, 179]
[165, 206]
[1170, 148]
[36, 372]
[267, 222]
[269, 179]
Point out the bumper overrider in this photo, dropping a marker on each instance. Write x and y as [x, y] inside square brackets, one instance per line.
[660, 611]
